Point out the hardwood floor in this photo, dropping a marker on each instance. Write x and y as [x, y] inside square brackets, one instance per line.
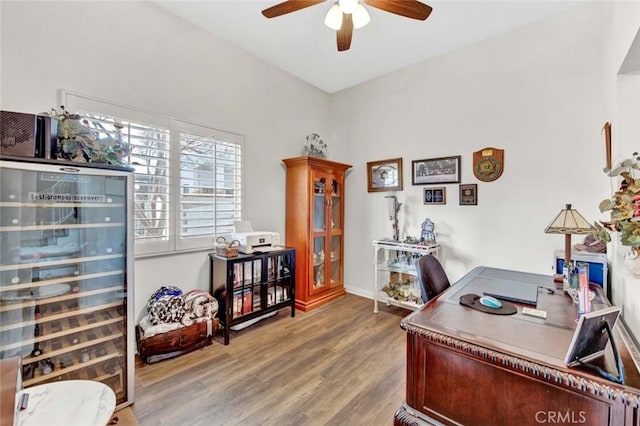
[340, 364]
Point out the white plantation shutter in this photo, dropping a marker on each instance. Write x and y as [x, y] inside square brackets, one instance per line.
[210, 183]
[150, 158]
[188, 178]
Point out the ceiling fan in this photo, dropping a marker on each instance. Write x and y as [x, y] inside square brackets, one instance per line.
[345, 15]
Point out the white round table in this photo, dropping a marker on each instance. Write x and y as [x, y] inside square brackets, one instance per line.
[67, 403]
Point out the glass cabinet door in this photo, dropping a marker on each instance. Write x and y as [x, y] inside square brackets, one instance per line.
[319, 219]
[247, 277]
[63, 274]
[336, 205]
[327, 224]
[335, 261]
[278, 282]
[319, 209]
[318, 278]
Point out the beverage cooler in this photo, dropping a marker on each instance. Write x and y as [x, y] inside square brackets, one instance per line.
[66, 273]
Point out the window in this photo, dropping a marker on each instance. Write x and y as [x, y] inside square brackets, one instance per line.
[210, 182]
[188, 177]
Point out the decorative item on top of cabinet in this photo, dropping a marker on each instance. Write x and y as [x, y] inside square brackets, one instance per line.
[315, 146]
[315, 227]
[66, 273]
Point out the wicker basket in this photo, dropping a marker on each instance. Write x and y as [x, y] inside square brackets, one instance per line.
[227, 249]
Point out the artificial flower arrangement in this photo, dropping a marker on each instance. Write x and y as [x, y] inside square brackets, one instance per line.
[78, 142]
[624, 205]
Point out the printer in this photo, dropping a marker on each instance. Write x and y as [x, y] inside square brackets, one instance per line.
[254, 241]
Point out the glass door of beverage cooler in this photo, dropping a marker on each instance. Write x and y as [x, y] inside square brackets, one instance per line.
[64, 266]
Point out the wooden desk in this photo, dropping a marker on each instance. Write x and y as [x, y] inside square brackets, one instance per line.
[472, 368]
[10, 383]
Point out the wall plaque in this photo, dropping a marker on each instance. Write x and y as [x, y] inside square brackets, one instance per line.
[488, 164]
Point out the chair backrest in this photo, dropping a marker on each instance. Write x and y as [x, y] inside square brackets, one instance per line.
[433, 278]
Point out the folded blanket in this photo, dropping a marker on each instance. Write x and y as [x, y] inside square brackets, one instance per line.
[165, 290]
[167, 309]
[150, 330]
[198, 304]
[168, 305]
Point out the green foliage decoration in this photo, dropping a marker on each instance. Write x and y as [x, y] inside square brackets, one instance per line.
[624, 205]
[78, 142]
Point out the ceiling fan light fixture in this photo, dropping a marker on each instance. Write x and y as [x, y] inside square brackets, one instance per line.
[333, 19]
[348, 6]
[360, 17]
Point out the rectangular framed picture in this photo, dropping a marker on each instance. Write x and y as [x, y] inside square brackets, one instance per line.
[469, 194]
[435, 195]
[607, 144]
[436, 170]
[384, 175]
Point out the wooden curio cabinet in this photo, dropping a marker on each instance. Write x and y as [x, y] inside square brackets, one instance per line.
[315, 227]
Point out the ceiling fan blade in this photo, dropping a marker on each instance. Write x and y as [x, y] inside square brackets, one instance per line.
[408, 8]
[345, 33]
[288, 7]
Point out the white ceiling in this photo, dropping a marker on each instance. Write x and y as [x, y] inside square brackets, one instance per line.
[302, 45]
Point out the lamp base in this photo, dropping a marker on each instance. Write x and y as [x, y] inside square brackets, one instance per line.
[558, 279]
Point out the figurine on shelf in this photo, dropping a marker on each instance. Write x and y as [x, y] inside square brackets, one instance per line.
[320, 276]
[411, 240]
[427, 232]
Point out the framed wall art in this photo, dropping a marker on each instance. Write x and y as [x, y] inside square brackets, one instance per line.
[436, 170]
[488, 164]
[384, 175]
[469, 194]
[435, 195]
[607, 145]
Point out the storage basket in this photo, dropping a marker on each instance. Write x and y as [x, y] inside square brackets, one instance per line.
[227, 249]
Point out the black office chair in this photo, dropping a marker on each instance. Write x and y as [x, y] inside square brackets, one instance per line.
[433, 278]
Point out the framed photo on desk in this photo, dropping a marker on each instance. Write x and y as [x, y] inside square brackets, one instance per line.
[588, 340]
[593, 332]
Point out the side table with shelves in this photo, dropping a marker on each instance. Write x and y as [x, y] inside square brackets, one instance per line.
[249, 286]
[395, 272]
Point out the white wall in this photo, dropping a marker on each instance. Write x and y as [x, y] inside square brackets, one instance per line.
[137, 54]
[622, 84]
[528, 92]
[538, 93]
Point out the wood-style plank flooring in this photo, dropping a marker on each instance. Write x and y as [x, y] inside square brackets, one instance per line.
[340, 364]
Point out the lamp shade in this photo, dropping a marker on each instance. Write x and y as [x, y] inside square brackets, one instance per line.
[569, 221]
[334, 18]
[360, 17]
